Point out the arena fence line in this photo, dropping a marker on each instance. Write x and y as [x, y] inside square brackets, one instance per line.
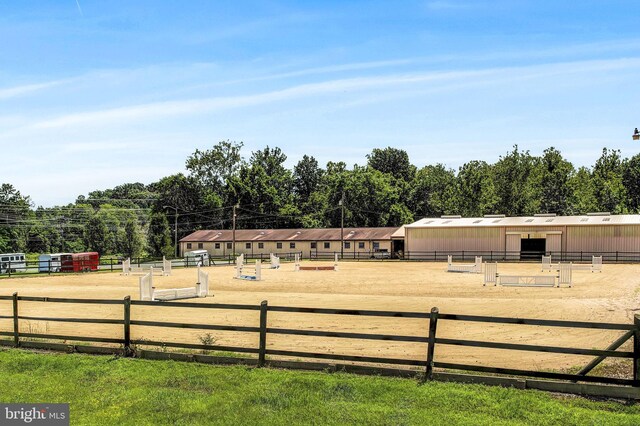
[427, 364]
[114, 264]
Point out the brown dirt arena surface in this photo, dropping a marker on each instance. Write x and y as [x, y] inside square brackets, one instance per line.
[610, 296]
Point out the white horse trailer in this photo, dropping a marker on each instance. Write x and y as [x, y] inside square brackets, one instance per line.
[196, 258]
[12, 262]
[50, 262]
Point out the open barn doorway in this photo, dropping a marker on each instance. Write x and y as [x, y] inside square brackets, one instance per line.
[532, 248]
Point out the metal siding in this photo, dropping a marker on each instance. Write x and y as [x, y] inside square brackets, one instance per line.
[554, 244]
[513, 246]
[452, 239]
[625, 238]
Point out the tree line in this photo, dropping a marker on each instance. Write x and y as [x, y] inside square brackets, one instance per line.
[134, 219]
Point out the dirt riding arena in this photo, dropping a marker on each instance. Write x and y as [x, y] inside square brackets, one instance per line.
[610, 296]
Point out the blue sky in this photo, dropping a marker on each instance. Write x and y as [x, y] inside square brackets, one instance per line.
[94, 94]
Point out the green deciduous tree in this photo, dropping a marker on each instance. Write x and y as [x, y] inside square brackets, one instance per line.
[610, 192]
[434, 192]
[515, 183]
[392, 161]
[555, 191]
[159, 236]
[477, 193]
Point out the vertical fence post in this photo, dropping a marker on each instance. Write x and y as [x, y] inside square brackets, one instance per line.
[433, 323]
[263, 333]
[127, 326]
[636, 351]
[16, 330]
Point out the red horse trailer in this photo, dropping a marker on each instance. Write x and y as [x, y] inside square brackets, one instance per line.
[79, 262]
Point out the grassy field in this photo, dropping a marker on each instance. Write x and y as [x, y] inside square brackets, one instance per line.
[105, 390]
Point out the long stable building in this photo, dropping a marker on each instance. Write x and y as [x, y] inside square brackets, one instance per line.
[358, 242]
[616, 237]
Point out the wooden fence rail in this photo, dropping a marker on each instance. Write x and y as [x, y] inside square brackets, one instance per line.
[632, 331]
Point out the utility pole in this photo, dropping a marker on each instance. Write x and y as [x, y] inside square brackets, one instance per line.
[341, 204]
[234, 228]
[175, 228]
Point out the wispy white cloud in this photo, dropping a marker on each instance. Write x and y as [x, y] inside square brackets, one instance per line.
[14, 92]
[156, 110]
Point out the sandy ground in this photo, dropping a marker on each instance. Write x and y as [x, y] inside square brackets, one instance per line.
[610, 296]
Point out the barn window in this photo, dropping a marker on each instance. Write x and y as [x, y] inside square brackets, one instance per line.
[248, 245]
[260, 245]
[217, 245]
[361, 245]
[229, 245]
[314, 245]
[279, 245]
[376, 245]
[199, 245]
[188, 245]
[327, 245]
[347, 244]
[292, 245]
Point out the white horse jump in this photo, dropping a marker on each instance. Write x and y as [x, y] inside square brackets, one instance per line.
[149, 292]
[275, 261]
[240, 267]
[491, 273]
[127, 269]
[595, 266]
[297, 266]
[564, 277]
[547, 265]
[475, 268]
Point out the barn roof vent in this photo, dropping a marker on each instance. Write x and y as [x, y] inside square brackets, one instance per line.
[494, 216]
[545, 215]
[450, 216]
[599, 214]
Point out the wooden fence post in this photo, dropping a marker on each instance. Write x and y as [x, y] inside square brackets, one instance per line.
[433, 323]
[127, 326]
[263, 333]
[636, 351]
[16, 330]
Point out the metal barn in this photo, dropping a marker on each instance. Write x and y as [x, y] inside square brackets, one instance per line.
[569, 238]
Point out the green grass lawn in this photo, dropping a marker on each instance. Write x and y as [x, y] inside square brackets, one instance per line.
[116, 391]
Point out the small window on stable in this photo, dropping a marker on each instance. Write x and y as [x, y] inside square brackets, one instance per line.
[376, 245]
[188, 245]
[229, 246]
[217, 245]
[347, 244]
[292, 245]
[327, 245]
[248, 245]
[314, 245]
[361, 245]
[260, 245]
[200, 245]
[279, 245]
